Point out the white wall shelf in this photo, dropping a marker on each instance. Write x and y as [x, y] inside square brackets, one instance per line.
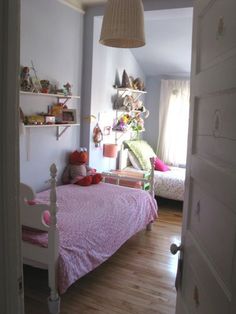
[61, 128]
[50, 95]
[122, 92]
[50, 125]
[137, 111]
[137, 91]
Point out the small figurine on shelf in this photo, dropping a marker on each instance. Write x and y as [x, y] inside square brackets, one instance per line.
[36, 85]
[67, 89]
[53, 88]
[125, 80]
[137, 105]
[26, 81]
[45, 86]
[130, 82]
[60, 91]
[138, 84]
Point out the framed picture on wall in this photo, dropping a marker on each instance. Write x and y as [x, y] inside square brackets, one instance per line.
[68, 116]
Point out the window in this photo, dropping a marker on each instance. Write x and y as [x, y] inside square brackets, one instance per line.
[173, 121]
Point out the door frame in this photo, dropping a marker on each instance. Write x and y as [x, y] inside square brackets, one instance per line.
[11, 286]
[11, 297]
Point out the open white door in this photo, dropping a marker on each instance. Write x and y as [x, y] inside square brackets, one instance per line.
[206, 278]
[11, 286]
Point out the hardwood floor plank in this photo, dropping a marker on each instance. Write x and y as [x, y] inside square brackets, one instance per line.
[138, 279]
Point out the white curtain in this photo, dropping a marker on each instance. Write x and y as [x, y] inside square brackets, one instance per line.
[173, 121]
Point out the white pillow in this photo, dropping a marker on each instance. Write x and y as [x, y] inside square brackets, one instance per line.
[134, 161]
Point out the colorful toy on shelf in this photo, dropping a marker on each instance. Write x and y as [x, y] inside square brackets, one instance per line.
[45, 86]
[129, 121]
[67, 89]
[78, 172]
[130, 82]
[138, 84]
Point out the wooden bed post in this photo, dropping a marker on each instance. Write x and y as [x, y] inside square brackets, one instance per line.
[152, 177]
[53, 247]
[151, 190]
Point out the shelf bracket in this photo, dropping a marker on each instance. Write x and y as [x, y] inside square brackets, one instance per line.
[61, 132]
[28, 144]
[63, 100]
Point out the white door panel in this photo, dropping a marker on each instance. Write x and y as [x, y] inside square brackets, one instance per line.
[207, 225]
[215, 131]
[203, 292]
[208, 284]
[216, 180]
[216, 37]
[224, 75]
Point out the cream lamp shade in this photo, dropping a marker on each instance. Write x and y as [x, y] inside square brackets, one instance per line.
[123, 24]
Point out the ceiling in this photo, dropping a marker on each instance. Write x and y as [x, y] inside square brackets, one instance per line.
[168, 41]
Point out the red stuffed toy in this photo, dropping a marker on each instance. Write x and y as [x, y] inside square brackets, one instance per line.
[78, 172]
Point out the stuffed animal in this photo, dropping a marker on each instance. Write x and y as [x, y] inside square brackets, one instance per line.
[78, 172]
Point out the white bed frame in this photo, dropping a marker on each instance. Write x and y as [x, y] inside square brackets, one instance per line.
[32, 216]
[33, 255]
[159, 178]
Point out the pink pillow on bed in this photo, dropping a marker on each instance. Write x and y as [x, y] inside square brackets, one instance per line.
[160, 165]
[47, 217]
[46, 214]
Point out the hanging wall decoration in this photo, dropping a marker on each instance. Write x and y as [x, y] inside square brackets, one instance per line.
[97, 135]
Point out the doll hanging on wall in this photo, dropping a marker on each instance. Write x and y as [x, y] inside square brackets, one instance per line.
[97, 135]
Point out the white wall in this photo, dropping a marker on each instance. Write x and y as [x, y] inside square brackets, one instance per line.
[107, 69]
[51, 36]
[153, 84]
[99, 67]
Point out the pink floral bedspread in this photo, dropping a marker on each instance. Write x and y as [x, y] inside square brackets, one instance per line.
[93, 223]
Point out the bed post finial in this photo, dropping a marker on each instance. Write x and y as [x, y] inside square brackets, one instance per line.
[53, 244]
[53, 171]
[152, 160]
[53, 195]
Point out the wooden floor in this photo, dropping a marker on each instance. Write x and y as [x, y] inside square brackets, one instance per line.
[138, 279]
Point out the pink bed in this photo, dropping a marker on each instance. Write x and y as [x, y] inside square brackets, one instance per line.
[93, 223]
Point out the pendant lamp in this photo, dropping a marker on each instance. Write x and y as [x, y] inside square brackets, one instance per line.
[123, 24]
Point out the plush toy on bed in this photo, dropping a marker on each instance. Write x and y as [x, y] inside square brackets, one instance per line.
[78, 172]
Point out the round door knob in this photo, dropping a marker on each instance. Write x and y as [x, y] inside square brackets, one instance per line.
[174, 248]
